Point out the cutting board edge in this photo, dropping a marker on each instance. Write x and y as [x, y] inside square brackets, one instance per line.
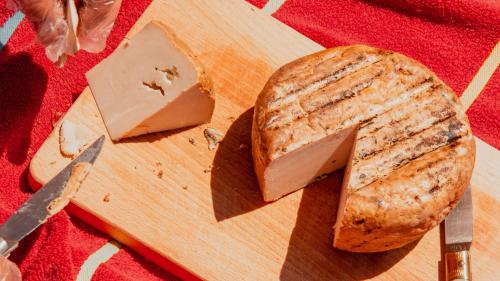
[122, 237]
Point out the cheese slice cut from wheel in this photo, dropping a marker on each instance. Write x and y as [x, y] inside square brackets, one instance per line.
[399, 130]
[151, 83]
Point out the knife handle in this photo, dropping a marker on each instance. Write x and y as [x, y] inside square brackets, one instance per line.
[458, 266]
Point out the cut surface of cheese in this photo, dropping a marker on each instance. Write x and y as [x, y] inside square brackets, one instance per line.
[399, 130]
[150, 83]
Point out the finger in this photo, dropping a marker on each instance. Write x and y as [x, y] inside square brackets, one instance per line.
[9, 270]
[53, 33]
[48, 20]
[50, 24]
[36, 10]
[96, 21]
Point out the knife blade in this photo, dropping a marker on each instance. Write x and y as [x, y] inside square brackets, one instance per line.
[35, 211]
[458, 228]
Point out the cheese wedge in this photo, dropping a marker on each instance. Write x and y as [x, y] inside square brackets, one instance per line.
[399, 130]
[150, 83]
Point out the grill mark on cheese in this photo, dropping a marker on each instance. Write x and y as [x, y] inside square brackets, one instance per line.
[346, 94]
[413, 149]
[318, 100]
[418, 80]
[403, 122]
[308, 72]
[300, 69]
[325, 117]
[366, 171]
[277, 116]
[437, 172]
[378, 142]
[432, 178]
[376, 123]
[291, 94]
[373, 110]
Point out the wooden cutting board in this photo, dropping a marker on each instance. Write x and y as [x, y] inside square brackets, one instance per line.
[179, 203]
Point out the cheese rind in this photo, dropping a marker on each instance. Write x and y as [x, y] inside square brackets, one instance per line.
[151, 83]
[411, 148]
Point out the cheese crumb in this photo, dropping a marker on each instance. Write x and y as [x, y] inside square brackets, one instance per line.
[72, 138]
[206, 171]
[56, 118]
[213, 137]
[158, 171]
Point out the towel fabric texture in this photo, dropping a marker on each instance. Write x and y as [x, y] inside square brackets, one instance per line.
[452, 37]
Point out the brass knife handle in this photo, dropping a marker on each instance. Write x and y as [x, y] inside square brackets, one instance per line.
[458, 266]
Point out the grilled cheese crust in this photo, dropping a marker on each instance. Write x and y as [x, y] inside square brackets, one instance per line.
[413, 151]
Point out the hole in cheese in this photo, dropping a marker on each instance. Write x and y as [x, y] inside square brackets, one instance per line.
[154, 87]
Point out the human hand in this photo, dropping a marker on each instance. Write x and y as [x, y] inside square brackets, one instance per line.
[55, 31]
[9, 270]
[96, 21]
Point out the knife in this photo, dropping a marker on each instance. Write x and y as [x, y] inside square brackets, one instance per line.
[458, 238]
[36, 210]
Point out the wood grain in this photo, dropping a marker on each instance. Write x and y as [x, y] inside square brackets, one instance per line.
[205, 211]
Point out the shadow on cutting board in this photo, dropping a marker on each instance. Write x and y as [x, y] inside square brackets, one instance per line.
[153, 137]
[310, 253]
[442, 246]
[234, 186]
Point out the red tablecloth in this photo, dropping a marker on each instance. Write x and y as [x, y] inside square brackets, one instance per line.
[452, 37]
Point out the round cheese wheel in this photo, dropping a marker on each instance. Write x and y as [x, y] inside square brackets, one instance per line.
[399, 131]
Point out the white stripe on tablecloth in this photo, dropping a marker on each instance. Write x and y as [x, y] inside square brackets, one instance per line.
[9, 27]
[272, 6]
[481, 78]
[97, 258]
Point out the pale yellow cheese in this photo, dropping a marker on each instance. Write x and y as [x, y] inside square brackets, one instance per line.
[401, 133]
[307, 164]
[150, 83]
[72, 138]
